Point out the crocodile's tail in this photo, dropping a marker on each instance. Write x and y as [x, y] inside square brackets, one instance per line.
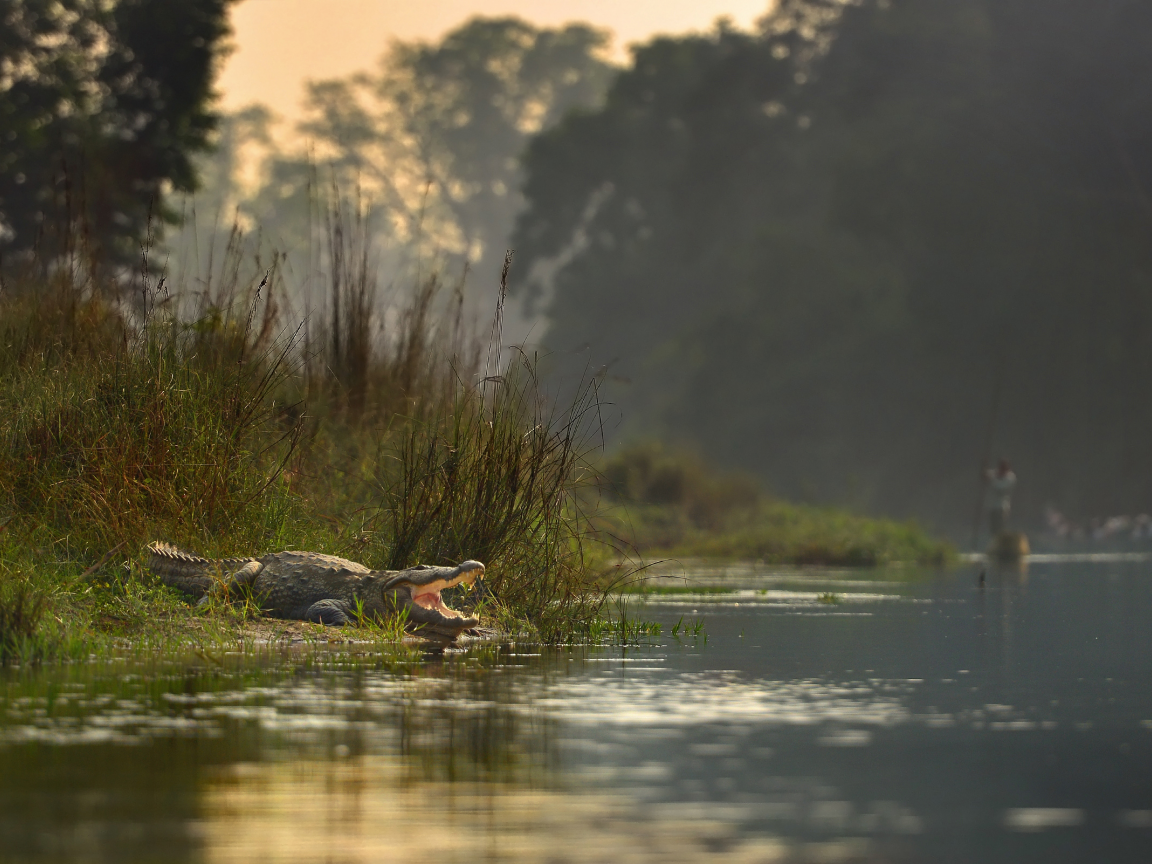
[191, 574]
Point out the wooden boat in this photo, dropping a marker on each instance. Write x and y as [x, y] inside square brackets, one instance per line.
[1009, 546]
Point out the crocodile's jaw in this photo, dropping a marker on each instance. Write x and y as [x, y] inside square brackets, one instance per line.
[428, 612]
[426, 607]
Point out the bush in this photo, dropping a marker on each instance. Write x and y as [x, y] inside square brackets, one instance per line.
[125, 422]
[166, 431]
[675, 504]
[22, 609]
[650, 473]
[498, 477]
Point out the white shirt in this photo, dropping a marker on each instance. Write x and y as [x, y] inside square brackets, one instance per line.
[1000, 486]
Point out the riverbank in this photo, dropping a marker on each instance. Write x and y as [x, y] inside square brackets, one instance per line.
[214, 422]
[671, 504]
[224, 430]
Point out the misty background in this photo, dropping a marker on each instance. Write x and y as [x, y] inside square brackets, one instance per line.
[854, 251]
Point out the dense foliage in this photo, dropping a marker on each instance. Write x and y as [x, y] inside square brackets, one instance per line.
[102, 106]
[819, 251]
[676, 505]
[430, 138]
[226, 435]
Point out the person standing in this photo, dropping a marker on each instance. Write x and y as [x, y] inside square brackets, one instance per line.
[1001, 482]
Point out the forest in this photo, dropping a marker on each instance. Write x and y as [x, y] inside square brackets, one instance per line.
[869, 247]
[856, 253]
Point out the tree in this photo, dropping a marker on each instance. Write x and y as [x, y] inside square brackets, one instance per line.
[809, 248]
[102, 107]
[430, 144]
[436, 134]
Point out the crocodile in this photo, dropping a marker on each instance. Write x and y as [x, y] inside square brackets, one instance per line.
[323, 589]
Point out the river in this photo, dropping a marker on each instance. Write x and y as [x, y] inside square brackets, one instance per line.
[818, 717]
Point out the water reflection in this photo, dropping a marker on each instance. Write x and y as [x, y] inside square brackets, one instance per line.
[369, 810]
[928, 720]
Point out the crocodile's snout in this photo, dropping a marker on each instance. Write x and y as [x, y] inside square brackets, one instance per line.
[423, 585]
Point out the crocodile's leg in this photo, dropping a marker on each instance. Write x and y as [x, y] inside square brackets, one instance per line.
[235, 584]
[244, 577]
[335, 612]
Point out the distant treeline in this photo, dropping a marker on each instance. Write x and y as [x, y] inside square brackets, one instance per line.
[109, 135]
[845, 251]
[820, 251]
[428, 140]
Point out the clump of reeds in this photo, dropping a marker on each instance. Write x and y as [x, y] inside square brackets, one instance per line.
[491, 469]
[159, 426]
[496, 476]
[351, 301]
[370, 355]
[137, 411]
[22, 610]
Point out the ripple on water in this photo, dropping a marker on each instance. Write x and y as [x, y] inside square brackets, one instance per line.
[699, 698]
[654, 697]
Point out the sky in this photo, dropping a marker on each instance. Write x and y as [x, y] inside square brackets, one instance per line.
[280, 44]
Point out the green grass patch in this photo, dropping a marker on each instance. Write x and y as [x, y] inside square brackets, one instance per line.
[206, 420]
[674, 590]
[617, 626]
[228, 434]
[670, 504]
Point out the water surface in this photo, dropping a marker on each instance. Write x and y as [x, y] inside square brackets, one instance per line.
[826, 717]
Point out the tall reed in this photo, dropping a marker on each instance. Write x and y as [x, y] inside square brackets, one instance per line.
[22, 609]
[499, 477]
[158, 426]
[194, 413]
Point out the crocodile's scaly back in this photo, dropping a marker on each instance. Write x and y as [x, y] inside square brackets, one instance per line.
[189, 573]
[289, 582]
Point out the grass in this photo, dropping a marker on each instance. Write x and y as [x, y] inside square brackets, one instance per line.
[211, 422]
[618, 627]
[134, 411]
[649, 587]
[671, 504]
[384, 631]
[21, 613]
[694, 629]
[494, 477]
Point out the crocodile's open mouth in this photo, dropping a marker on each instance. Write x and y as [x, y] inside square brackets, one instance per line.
[428, 596]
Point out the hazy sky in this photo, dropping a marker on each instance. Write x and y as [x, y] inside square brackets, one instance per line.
[281, 43]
